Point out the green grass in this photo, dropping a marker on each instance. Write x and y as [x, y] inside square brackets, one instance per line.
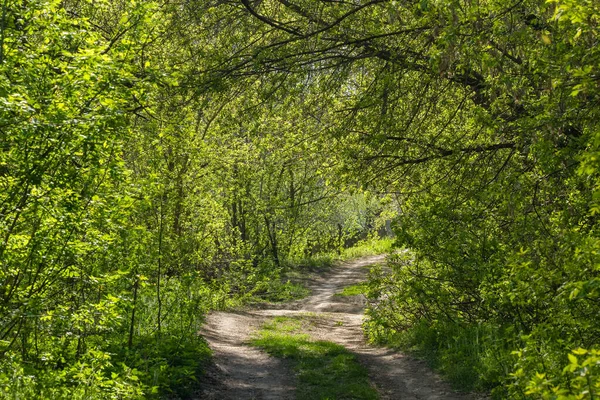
[277, 291]
[470, 358]
[368, 247]
[288, 283]
[325, 370]
[316, 263]
[325, 261]
[353, 290]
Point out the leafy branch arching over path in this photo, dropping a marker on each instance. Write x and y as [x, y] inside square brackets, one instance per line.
[244, 372]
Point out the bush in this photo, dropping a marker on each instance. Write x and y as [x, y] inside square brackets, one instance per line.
[94, 377]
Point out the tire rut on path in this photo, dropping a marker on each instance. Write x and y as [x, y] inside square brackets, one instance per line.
[245, 373]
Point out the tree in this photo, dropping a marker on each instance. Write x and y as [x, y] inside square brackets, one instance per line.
[478, 115]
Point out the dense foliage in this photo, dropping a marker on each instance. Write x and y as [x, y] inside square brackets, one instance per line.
[133, 199]
[159, 159]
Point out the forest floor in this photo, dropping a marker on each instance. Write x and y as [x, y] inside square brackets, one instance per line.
[243, 372]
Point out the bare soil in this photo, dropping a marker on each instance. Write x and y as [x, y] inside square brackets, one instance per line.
[242, 372]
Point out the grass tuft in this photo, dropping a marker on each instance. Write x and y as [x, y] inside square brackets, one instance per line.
[353, 290]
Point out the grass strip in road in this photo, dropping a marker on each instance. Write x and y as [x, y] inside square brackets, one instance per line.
[325, 370]
[353, 290]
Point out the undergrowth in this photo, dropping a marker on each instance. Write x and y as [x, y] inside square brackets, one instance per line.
[324, 261]
[485, 356]
[458, 353]
[368, 247]
[169, 363]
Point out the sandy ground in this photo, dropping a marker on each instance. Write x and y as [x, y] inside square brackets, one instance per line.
[243, 372]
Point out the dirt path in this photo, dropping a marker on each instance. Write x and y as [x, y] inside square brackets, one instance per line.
[245, 373]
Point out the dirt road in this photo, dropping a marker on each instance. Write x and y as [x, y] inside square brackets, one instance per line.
[243, 373]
